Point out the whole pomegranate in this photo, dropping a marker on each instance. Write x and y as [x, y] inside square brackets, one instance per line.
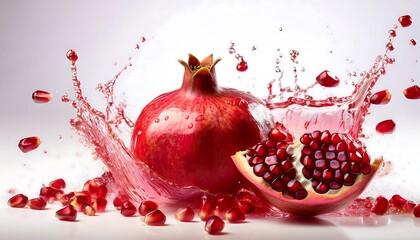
[189, 135]
[317, 173]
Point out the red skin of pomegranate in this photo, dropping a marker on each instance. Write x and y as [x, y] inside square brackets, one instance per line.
[188, 135]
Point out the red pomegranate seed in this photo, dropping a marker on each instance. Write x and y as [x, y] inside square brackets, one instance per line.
[155, 218]
[40, 96]
[29, 144]
[385, 127]
[235, 215]
[67, 213]
[89, 210]
[117, 203]
[99, 204]
[214, 225]
[413, 42]
[184, 214]
[58, 183]
[128, 209]
[409, 206]
[405, 20]
[18, 201]
[66, 198]
[326, 80]
[381, 97]
[206, 210]
[246, 207]
[48, 194]
[412, 92]
[96, 187]
[416, 210]
[147, 207]
[381, 205]
[37, 204]
[79, 202]
[72, 55]
[397, 201]
[242, 66]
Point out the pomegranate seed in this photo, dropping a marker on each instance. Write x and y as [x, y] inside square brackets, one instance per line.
[214, 225]
[246, 207]
[37, 204]
[381, 97]
[96, 187]
[206, 210]
[385, 127]
[413, 42]
[155, 218]
[117, 203]
[242, 66]
[184, 214]
[48, 194]
[220, 212]
[29, 144]
[66, 198]
[89, 210]
[235, 215]
[326, 80]
[58, 184]
[67, 213]
[412, 92]
[409, 206]
[79, 202]
[405, 20]
[99, 204]
[397, 201]
[128, 209]
[40, 96]
[146, 207]
[72, 55]
[416, 210]
[18, 201]
[381, 205]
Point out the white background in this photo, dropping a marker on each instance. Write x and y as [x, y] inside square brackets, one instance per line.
[35, 35]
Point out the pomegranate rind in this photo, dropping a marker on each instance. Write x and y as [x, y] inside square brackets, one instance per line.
[314, 203]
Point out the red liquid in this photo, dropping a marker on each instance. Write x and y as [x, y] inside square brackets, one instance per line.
[299, 113]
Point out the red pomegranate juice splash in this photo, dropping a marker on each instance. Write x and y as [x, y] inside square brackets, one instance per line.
[299, 112]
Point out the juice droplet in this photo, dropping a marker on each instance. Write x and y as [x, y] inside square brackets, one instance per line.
[412, 92]
[232, 48]
[390, 47]
[166, 118]
[381, 97]
[143, 39]
[242, 66]
[413, 42]
[326, 80]
[157, 120]
[29, 144]
[392, 33]
[190, 125]
[293, 55]
[72, 55]
[385, 127]
[40, 96]
[405, 20]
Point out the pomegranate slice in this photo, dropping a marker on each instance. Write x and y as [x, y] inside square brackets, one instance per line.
[318, 173]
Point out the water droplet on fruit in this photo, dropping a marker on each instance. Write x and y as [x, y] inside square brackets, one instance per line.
[405, 20]
[166, 118]
[156, 120]
[187, 117]
[190, 125]
[385, 127]
[199, 118]
[72, 56]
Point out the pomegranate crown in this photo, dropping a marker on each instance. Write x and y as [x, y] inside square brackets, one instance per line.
[200, 76]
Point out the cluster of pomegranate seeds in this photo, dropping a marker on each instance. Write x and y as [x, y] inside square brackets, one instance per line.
[326, 80]
[184, 214]
[29, 144]
[332, 160]
[214, 225]
[385, 127]
[155, 218]
[381, 97]
[412, 92]
[40, 96]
